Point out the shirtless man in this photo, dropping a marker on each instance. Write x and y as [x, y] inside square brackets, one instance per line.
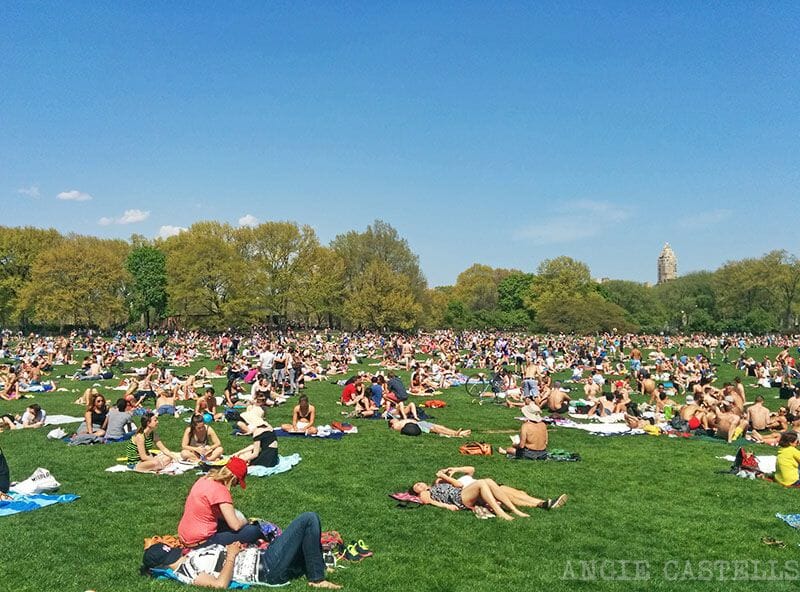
[557, 400]
[532, 436]
[728, 422]
[793, 405]
[758, 415]
[591, 389]
[603, 407]
[426, 427]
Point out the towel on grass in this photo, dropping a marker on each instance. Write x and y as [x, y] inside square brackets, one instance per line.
[61, 419]
[26, 503]
[285, 463]
[605, 429]
[174, 468]
[792, 520]
[766, 464]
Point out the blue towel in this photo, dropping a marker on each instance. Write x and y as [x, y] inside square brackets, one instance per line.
[27, 503]
[792, 520]
[285, 463]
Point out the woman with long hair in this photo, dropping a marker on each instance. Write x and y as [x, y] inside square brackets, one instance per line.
[95, 418]
[200, 441]
[144, 440]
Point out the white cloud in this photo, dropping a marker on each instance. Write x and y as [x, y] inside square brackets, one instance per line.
[705, 219]
[32, 191]
[134, 216]
[74, 195]
[168, 230]
[248, 220]
[128, 217]
[573, 221]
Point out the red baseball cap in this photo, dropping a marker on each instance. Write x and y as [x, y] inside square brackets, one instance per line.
[239, 468]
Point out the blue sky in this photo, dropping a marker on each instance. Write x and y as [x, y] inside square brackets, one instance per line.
[502, 133]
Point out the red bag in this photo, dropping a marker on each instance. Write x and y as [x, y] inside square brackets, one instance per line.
[435, 404]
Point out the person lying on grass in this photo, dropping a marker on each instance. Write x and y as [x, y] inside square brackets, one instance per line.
[466, 475]
[449, 494]
[297, 551]
[200, 441]
[34, 417]
[209, 516]
[532, 436]
[143, 441]
[412, 427]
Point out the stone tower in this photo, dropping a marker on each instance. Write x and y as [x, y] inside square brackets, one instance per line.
[667, 265]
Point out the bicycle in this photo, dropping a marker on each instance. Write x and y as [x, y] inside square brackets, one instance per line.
[481, 388]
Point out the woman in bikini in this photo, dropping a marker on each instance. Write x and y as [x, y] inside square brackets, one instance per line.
[303, 417]
[200, 441]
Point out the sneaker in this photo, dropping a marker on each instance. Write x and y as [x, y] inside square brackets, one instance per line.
[351, 554]
[361, 548]
[553, 504]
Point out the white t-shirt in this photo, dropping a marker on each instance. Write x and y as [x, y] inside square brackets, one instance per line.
[28, 417]
[266, 359]
[210, 560]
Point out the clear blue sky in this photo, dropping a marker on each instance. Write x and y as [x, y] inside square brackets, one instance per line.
[502, 134]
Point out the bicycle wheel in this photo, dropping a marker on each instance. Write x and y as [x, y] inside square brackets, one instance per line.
[476, 385]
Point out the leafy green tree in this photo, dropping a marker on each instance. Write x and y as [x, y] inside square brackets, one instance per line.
[279, 256]
[381, 242]
[79, 282]
[148, 290]
[583, 314]
[19, 248]
[319, 294]
[382, 299]
[638, 301]
[207, 280]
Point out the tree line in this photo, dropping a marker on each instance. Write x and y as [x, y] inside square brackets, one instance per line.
[213, 276]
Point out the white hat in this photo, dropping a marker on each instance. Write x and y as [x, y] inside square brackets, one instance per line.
[253, 416]
[532, 412]
[689, 399]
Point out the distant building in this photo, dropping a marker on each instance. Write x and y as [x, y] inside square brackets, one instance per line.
[667, 265]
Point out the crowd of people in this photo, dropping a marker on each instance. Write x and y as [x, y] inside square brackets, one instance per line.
[675, 392]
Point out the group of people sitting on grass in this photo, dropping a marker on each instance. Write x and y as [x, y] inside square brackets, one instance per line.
[219, 545]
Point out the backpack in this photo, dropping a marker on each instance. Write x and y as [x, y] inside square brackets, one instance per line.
[476, 449]
[745, 461]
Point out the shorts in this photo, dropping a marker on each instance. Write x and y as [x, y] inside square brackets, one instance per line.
[529, 454]
[425, 426]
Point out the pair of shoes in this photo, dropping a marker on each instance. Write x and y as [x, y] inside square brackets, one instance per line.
[552, 504]
[356, 551]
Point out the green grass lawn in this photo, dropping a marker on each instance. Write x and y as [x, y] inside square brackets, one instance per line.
[657, 500]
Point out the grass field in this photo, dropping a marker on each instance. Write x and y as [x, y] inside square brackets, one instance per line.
[657, 500]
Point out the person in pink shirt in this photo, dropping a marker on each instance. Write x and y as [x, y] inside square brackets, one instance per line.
[209, 516]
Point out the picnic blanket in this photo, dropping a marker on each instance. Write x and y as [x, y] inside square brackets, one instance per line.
[27, 503]
[285, 463]
[766, 464]
[61, 419]
[168, 574]
[174, 468]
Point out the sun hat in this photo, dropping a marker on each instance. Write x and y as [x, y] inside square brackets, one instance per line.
[253, 416]
[239, 468]
[531, 412]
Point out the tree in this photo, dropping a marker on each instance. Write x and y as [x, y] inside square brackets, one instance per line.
[320, 292]
[279, 256]
[583, 315]
[477, 286]
[207, 279]
[19, 248]
[79, 282]
[148, 290]
[381, 242]
[638, 301]
[382, 299]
